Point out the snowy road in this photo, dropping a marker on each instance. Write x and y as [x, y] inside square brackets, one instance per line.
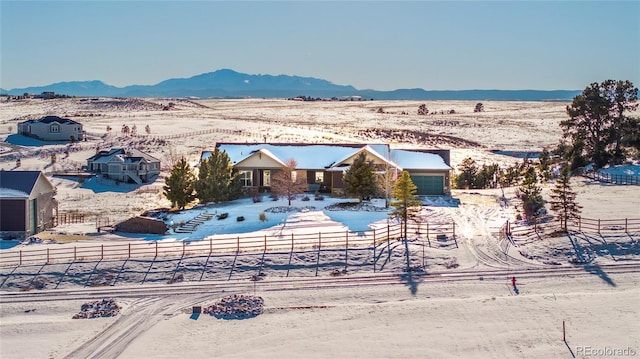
[147, 306]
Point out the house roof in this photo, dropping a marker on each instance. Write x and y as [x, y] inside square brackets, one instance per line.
[51, 119]
[123, 155]
[328, 156]
[17, 183]
[418, 160]
[310, 156]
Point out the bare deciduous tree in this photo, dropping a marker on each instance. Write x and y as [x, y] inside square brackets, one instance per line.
[286, 183]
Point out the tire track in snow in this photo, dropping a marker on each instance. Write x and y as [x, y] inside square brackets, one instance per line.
[142, 315]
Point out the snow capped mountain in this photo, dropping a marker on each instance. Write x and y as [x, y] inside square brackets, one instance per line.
[227, 83]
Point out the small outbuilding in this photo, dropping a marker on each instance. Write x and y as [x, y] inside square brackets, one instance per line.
[27, 203]
[142, 224]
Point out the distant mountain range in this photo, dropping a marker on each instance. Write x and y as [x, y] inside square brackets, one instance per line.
[227, 83]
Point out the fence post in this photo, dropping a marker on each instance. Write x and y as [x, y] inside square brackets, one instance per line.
[74, 253]
[291, 242]
[20, 260]
[238, 244]
[184, 245]
[454, 229]
[374, 251]
[129, 256]
[156, 249]
[210, 245]
[265, 242]
[319, 240]
[47, 255]
[428, 235]
[346, 251]
[626, 230]
[102, 251]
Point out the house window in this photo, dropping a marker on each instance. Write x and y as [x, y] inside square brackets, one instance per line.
[319, 177]
[294, 176]
[246, 178]
[54, 128]
[266, 178]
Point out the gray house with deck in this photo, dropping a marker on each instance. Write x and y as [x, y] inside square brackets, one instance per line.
[124, 165]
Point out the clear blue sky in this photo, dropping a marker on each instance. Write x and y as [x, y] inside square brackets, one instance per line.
[380, 45]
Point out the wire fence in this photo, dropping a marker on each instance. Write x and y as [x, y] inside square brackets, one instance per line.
[618, 179]
[440, 235]
[528, 233]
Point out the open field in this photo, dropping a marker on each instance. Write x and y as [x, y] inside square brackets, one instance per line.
[191, 127]
[459, 304]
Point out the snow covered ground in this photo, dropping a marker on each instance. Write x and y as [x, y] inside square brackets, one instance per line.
[457, 301]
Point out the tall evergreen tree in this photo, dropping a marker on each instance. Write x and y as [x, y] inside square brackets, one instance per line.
[486, 177]
[359, 179]
[530, 194]
[178, 186]
[406, 204]
[598, 119]
[468, 172]
[563, 199]
[217, 181]
[544, 163]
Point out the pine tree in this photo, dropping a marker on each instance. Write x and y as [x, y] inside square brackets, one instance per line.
[216, 180]
[530, 194]
[487, 176]
[563, 199]
[179, 185]
[544, 162]
[468, 172]
[359, 179]
[285, 183]
[406, 204]
[600, 121]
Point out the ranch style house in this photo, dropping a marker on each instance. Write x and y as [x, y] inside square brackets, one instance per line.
[27, 203]
[52, 128]
[323, 165]
[124, 165]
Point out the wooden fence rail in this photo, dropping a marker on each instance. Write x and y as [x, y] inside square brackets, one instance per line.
[230, 244]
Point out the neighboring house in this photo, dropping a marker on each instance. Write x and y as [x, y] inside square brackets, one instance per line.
[323, 165]
[27, 203]
[124, 165]
[52, 128]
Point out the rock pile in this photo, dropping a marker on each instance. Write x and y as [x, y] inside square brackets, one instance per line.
[236, 306]
[98, 309]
